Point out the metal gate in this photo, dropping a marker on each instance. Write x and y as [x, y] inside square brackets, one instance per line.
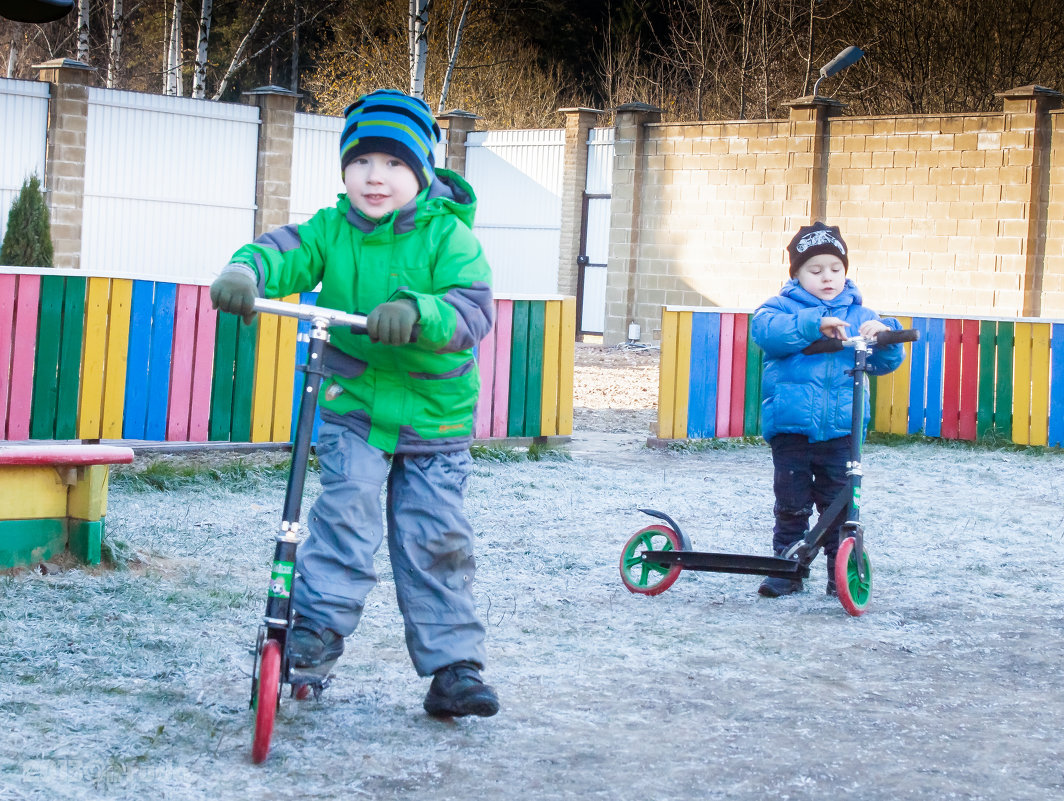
[595, 233]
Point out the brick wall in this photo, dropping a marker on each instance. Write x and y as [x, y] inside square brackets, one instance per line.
[955, 214]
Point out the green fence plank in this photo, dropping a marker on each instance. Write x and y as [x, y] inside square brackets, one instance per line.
[244, 378]
[984, 415]
[537, 322]
[70, 345]
[221, 423]
[1003, 401]
[518, 370]
[752, 410]
[46, 364]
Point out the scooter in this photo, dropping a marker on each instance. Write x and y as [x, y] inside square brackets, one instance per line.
[272, 667]
[653, 558]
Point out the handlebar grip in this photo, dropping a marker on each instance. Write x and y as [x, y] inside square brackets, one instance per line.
[825, 345]
[894, 337]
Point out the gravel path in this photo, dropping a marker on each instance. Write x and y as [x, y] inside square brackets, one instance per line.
[131, 683]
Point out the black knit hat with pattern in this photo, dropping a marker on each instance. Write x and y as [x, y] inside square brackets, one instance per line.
[813, 240]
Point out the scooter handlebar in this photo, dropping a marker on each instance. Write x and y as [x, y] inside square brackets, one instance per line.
[880, 340]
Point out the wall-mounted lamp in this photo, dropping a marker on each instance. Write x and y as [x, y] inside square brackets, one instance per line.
[851, 55]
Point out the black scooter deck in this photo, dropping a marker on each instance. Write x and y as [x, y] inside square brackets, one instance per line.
[729, 563]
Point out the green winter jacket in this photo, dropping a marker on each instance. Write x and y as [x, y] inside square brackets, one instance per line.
[416, 398]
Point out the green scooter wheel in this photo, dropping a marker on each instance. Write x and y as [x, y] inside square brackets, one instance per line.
[647, 578]
[854, 593]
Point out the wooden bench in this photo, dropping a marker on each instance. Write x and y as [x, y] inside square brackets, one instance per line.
[53, 498]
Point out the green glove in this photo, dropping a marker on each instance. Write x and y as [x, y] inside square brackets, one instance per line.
[393, 322]
[235, 291]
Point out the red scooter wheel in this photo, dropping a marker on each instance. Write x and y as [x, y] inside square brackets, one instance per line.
[266, 699]
[647, 578]
[854, 592]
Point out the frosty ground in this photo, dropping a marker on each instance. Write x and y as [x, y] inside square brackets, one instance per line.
[131, 682]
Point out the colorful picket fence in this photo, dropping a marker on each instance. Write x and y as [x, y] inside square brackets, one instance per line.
[963, 379]
[99, 358]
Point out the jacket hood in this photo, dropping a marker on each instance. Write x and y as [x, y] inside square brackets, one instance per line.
[850, 295]
[449, 193]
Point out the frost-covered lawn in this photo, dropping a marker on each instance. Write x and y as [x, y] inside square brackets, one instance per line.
[131, 682]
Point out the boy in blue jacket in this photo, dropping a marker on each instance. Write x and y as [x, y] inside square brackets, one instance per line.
[807, 400]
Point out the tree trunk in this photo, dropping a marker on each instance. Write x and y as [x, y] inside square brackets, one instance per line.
[454, 57]
[114, 57]
[419, 44]
[12, 51]
[293, 77]
[83, 31]
[173, 84]
[199, 76]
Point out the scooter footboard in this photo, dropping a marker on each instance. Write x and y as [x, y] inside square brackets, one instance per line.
[729, 563]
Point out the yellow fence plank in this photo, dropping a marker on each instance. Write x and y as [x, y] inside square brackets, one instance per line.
[114, 382]
[566, 356]
[548, 424]
[667, 373]
[265, 375]
[1039, 425]
[93, 358]
[1021, 385]
[284, 384]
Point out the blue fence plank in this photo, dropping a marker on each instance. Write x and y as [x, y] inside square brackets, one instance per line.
[918, 377]
[160, 352]
[1056, 387]
[936, 344]
[702, 384]
[135, 415]
[302, 346]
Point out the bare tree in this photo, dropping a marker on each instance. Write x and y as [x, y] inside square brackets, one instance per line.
[173, 84]
[419, 44]
[199, 74]
[453, 59]
[238, 59]
[12, 52]
[114, 53]
[83, 31]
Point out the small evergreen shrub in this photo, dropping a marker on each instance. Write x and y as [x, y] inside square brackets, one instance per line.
[28, 240]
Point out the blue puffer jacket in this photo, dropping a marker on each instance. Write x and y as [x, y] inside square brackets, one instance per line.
[812, 395]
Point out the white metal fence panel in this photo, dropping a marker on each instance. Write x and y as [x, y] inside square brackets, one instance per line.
[316, 179]
[517, 176]
[597, 187]
[23, 134]
[169, 185]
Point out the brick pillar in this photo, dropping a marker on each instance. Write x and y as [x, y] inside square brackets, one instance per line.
[64, 179]
[578, 121]
[456, 125]
[807, 159]
[629, 163]
[1026, 140]
[273, 184]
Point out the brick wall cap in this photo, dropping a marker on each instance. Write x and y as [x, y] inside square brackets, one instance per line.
[1030, 90]
[814, 100]
[578, 109]
[638, 107]
[272, 89]
[64, 63]
[458, 114]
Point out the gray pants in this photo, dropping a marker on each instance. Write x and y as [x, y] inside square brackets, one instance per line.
[430, 543]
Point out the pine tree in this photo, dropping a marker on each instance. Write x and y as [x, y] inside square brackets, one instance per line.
[28, 240]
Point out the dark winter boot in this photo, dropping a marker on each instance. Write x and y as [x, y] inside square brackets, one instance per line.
[458, 690]
[773, 587]
[310, 646]
[831, 589]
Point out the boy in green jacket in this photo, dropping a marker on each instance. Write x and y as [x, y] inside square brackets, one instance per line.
[399, 244]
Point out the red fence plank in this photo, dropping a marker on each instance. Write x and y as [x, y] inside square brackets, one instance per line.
[724, 376]
[969, 390]
[500, 396]
[202, 368]
[951, 380]
[181, 368]
[738, 374]
[7, 339]
[21, 392]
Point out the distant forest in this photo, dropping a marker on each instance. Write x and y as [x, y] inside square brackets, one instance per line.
[515, 62]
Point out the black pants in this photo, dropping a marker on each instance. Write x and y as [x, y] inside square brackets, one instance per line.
[805, 473]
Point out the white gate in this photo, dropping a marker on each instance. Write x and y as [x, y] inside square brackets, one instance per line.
[517, 176]
[169, 185]
[316, 177]
[595, 232]
[23, 133]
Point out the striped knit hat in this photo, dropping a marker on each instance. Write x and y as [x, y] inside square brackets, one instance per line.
[388, 121]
